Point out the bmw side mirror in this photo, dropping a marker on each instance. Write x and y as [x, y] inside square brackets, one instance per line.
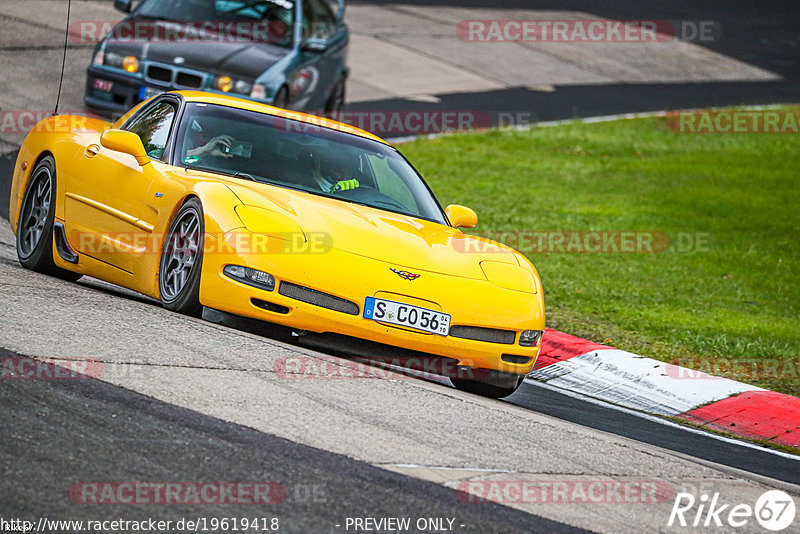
[123, 5]
[340, 12]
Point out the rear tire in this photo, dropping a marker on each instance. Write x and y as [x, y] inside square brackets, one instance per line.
[35, 224]
[495, 384]
[182, 261]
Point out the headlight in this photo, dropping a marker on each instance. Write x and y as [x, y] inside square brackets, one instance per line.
[130, 64]
[227, 84]
[224, 83]
[127, 63]
[99, 57]
[249, 276]
[530, 338]
[243, 87]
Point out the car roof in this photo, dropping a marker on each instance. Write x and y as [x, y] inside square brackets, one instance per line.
[240, 103]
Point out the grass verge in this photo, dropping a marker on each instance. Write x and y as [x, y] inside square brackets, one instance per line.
[723, 296]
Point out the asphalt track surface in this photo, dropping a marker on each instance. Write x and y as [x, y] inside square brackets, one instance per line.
[766, 35]
[58, 432]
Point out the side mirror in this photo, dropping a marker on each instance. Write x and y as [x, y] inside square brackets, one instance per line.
[123, 5]
[340, 12]
[125, 142]
[461, 216]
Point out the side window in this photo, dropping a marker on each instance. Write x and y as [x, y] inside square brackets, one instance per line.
[153, 128]
[319, 22]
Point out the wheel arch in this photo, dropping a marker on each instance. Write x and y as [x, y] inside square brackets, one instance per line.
[20, 180]
[218, 203]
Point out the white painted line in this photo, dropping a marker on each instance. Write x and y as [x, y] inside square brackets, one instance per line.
[658, 419]
[636, 382]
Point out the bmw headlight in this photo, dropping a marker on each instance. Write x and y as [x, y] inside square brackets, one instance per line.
[127, 63]
[530, 338]
[249, 276]
[226, 84]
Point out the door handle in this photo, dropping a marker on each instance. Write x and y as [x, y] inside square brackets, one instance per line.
[91, 151]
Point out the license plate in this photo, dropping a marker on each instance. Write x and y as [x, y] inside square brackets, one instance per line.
[148, 92]
[388, 311]
[103, 85]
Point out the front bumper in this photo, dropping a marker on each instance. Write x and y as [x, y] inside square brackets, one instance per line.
[130, 89]
[125, 92]
[470, 302]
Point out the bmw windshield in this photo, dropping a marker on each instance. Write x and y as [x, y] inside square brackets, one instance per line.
[273, 18]
[288, 153]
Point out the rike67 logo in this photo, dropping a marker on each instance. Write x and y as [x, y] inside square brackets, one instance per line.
[774, 510]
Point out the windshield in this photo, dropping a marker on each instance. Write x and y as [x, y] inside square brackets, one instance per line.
[277, 15]
[293, 154]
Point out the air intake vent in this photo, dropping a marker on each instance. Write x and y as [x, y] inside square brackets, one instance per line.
[318, 298]
[512, 358]
[478, 333]
[159, 74]
[270, 306]
[185, 79]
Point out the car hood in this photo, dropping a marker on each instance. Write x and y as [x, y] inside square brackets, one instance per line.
[239, 59]
[399, 240]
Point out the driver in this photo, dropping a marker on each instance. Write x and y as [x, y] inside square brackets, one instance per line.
[337, 172]
[215, 147]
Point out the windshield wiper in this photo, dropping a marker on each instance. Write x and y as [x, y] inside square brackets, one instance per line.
[161, 18]
[244, 175]
[232, 174]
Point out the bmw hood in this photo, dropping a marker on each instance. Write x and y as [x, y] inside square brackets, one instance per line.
[396, 239]
[217, 53]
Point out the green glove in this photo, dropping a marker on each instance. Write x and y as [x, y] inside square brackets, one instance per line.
[345, 185]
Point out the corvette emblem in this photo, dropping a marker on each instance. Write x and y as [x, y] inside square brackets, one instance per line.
[179, 60]
[405, 275]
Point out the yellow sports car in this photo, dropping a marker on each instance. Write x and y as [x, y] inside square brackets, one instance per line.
[215, 204]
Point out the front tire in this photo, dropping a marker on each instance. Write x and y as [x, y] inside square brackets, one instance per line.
[35, 224]
[281, 98]
[494, 384]
[182, 261]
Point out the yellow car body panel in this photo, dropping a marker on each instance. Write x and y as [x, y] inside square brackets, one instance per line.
[116, 213]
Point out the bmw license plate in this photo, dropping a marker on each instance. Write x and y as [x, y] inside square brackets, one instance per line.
[388, 311]
[146, 92]
[103, 85]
